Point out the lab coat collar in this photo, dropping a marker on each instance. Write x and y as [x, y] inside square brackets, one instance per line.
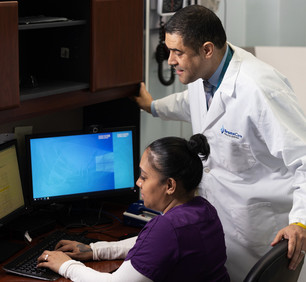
[227, 86]
[216, 110]
[226, 90]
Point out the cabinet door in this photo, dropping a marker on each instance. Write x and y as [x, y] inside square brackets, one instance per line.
[117, 43]
[9, 65]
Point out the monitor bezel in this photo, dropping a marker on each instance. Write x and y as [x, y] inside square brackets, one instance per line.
[22, 209]
[128, 192]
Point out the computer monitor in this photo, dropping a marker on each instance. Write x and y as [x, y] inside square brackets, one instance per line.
[12, 202]
[75, 166]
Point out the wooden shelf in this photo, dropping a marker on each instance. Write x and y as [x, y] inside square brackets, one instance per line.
[65, 101]
[49, 88]
[51, 24]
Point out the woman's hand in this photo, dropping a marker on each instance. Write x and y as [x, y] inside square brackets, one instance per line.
[52, 260]
[75, 250]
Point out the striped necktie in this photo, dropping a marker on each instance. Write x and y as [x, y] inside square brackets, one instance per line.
[208, 88]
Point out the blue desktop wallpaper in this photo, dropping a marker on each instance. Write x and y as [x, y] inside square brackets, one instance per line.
[67, 165]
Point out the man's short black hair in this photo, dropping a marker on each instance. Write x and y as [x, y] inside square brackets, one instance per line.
[197, 25]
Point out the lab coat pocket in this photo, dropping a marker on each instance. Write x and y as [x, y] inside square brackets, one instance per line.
[255, 226]
[235, 156]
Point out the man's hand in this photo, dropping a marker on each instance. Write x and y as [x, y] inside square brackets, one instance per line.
[296, 236]
[144, 99]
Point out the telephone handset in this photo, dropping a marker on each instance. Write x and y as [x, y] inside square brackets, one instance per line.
[161, 55]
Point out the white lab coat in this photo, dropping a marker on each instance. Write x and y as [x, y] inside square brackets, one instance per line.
[257, 166]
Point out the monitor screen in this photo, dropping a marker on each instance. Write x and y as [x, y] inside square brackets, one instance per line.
[11, 193]
[69, 166]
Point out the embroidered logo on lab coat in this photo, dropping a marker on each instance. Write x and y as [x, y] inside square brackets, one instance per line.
[230, 133]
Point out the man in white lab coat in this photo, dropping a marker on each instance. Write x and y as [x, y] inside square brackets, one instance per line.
[256, 173]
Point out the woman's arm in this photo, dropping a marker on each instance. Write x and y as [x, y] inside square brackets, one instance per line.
[112, 250]
[78, 272]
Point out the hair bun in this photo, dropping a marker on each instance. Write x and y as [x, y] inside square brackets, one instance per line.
[198, 144]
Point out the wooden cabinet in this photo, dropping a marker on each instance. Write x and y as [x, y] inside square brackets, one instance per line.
[68, 53]
[9, 77]
[117, 44]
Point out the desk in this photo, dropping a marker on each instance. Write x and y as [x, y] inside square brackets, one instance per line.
[103, 233]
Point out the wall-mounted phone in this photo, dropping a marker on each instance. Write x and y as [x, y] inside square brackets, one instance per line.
[162, 55]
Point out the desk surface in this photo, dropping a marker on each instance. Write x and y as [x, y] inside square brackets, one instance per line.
[104, 233]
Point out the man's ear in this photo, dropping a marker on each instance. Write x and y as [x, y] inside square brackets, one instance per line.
[171, 186]
[208, 48]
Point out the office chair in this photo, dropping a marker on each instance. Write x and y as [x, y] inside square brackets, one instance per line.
[273, 266]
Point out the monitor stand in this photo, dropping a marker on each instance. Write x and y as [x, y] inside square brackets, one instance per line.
[84, 220]
[84, 215]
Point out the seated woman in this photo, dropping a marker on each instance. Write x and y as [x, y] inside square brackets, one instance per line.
[185, 243]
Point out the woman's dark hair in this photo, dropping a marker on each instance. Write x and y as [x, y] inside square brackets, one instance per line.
[177, 158]
[197, 25]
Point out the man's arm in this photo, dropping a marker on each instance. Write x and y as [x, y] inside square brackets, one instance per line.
[171, 107]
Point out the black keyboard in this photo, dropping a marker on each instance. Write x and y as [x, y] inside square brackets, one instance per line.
[25, 264]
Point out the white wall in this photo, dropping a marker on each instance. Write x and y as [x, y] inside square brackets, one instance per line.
[264, 23]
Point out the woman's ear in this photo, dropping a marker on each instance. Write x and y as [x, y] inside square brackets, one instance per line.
[208, 48]
[171, 186]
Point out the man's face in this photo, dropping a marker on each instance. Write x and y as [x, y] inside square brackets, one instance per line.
[188, 64]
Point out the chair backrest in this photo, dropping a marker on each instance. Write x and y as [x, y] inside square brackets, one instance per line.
[273, 266]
